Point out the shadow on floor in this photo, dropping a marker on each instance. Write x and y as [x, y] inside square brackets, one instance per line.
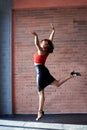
[49, 118]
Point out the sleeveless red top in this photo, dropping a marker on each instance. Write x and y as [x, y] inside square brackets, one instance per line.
[40, 59]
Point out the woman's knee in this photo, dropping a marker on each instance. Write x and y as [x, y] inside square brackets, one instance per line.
[41, 92]
[41, 95]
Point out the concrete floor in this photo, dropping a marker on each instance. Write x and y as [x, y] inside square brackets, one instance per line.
[48, 122]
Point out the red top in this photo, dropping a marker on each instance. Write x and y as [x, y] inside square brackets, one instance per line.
[40, 59]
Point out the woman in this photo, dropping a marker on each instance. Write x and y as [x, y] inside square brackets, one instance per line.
[44, 78]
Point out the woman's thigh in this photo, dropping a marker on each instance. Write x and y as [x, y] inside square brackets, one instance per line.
[55, 83]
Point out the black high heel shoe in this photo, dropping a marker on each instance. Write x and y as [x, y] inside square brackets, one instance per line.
[40, 115]
[73, 73]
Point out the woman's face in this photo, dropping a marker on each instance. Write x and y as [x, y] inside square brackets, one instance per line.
[44, 45]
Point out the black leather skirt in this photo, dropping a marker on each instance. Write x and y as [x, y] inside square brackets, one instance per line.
[44, 78]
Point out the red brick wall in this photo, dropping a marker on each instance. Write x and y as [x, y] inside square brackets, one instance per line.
[23, 4]
[70, 54]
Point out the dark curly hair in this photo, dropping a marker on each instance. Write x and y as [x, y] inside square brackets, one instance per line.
[51, 46]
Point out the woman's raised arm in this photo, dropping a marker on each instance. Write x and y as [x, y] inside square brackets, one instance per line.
[52, 33]
[37, 43]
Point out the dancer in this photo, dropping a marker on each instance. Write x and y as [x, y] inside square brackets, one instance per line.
[44, 78]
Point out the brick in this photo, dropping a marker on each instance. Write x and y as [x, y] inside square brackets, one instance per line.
[70, 54]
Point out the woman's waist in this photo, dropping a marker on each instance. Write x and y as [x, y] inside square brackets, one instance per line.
[40, 68]
[35, 64]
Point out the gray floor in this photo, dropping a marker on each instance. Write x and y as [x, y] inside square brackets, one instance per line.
[48, 122]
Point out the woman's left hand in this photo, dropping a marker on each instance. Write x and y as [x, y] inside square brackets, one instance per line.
[52, 26]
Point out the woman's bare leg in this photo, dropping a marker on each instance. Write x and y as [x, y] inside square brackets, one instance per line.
[42, 96]
[41, 100]
[61, 81]
[41, 104]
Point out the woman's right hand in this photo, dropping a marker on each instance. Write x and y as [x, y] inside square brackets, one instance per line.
[34, 33]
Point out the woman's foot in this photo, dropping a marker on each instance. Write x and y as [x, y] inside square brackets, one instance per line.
[40, 115]
[73, 73]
